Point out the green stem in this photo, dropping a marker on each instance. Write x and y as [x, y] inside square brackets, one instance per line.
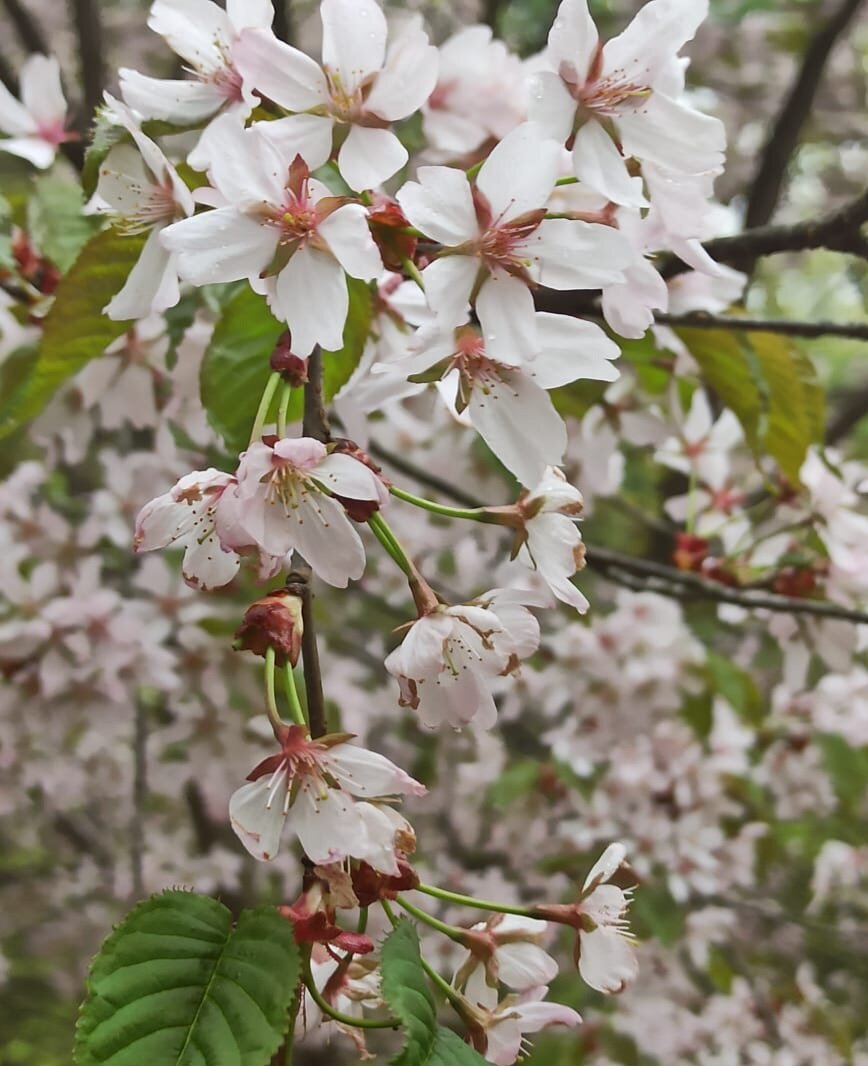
[567, 181]
[447, 930]
[295, 709]
[285, 397]
[264, 405]
[455, 998]
[339, 1016]
[475, 514]
[363, 920]
[471, 172]
[380, 528]
[478, 904]
[277, 722]
[413, 272]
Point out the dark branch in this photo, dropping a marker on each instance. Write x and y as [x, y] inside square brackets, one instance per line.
[30, 33]
[785, 133]
[316, 422]
[7, 75]
[284, 28]
[643, 575]
[786, 327]
[852, 409]
[88, 27]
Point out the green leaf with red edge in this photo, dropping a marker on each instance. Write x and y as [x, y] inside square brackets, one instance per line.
[75, 330]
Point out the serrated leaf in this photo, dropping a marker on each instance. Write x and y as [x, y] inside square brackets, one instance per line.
[176, 985]
[104, 136]
[236, 367]
[408, 995]
[55, 221]
[75, 329]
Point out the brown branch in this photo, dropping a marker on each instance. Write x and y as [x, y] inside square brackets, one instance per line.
[785, 133]
[30, 33]
[316, 422]
[88, 27]
[644, 575]
[784, 327]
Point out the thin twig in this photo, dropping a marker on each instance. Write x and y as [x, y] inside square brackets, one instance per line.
[88, 27]
[644, 575]
[316, 423]
[784, 327]
[29, 31]
[786, 130]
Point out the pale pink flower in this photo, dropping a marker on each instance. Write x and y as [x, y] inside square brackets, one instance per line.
[362, 86]
[314, 787]
[504, 1028]
[187, 517]
[496, 230]
[552, 543]
[287, 501]
[35, 124]
[703, 445]
[142, 191]
[449, 658]
[205, 36]
[504, 949]
[282, 230]
[631, 85]
[502, 384]
[607, 956]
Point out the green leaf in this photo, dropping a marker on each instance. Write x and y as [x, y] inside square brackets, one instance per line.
[738, 688]
[75, 329]
[236, 366]
[408, 995]
[55, 221]
[176, 985]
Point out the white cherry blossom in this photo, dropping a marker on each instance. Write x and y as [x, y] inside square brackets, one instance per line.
[703, 445]
[551, 543]
[506, 948]
[324, 791]
[505, 1027]
[362, 86]
[607, 956]
[36, 124]
[282, 230]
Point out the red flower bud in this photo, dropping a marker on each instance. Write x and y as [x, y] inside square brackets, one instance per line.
[273, 622]
[389, 228]
[292, 368]
[370, 885]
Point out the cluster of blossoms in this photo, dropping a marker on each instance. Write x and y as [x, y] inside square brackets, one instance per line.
[296, 182]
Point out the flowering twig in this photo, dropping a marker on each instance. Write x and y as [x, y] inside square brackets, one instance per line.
[783, 139]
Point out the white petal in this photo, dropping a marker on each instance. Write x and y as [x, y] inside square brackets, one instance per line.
[36, 151]
[309, 136]
[327, 825]
[258, 826]
[598, 163]
[245, 14]
[354, 39]
[280, 72]
[243, 168]
[606, 865]
[440, 204]
[421, 652]
[41, 91]
[347, 234]
[573, 38]
[369, 774]
[508, 320]
[312, 298]
[607, 961]
[657, 33]
[181, 102]
[345, 476]
[579, 255]
[408, 78]
[369, 156]
[673, 135]
[550, 105]
[192, 28]
[207, 565]
[220, 245]
[448, 284]
[570, 350]
[15, 119]
[152, 284]
[327, 540]
[520, 173]
[523, 965]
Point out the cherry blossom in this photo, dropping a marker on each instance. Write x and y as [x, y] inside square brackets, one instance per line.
[504, 1028]
[496, 230]
[607, 958]
[362, 86]
[35, 124]
[205, 36]
[142, 191]
[506, 948]
[632, 82]
[449, 657]
[289, 497]
[313, 787]
[703, 444]
[282, 230]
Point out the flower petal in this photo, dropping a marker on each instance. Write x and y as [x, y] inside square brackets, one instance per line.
[257, 824]
[311, 297]
[440, 204]
[520, 173]
[280, 72]
[354, 40]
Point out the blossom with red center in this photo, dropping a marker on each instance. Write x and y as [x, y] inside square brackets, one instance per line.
[316, 787]
[628, 89]
[279, 228]
[496, 230]
[35, 124]
[362, 86]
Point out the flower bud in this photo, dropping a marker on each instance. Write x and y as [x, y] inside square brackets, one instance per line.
[275, 621]
[292, 368]
[389, 228]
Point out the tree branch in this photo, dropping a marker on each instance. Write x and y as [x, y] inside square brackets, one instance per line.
[785, 327]
[88, 27]
[30, 33]
[284, 27]
[644, 575]
[784, 136]
[852, 409]
[7, 75]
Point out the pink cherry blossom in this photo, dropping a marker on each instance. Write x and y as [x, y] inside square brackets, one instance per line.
[552, 544]
[205, 36]
[496, 229]
[282, 230]
[287, 500]
[703, 445]
[362, 86]
[35, 124]
[314, 787]
[631, 84]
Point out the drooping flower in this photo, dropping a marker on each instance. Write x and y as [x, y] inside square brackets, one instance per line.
[205, 36]
[326, 791]
[143, 191]
[502, 388]
[631, 84]
[289, 497]
[500, 1033]
[449, 657]
[506, 948]
[362, 86]
[496, 230]
[282, 230]
[35, 124]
